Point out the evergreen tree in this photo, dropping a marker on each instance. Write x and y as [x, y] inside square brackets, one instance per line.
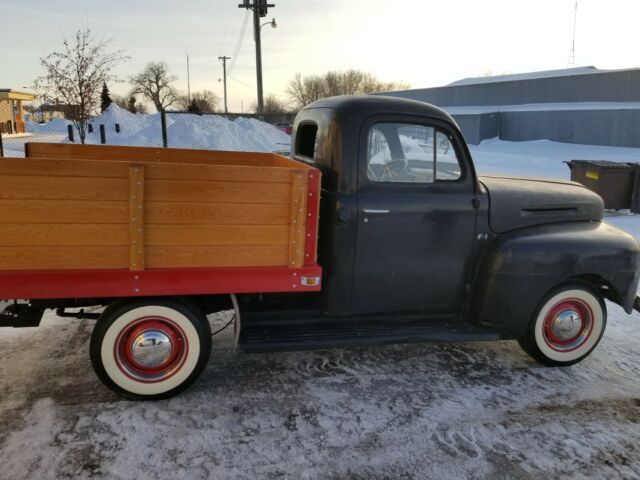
[132, 104]
[194, 107]
[105, 98]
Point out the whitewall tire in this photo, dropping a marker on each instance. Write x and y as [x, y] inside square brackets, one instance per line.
[566, 327]
[150, 349]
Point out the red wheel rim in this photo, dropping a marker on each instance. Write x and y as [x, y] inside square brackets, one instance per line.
[133, 343]
[568, 325]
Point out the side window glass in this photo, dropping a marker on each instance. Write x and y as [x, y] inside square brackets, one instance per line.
[407, 153]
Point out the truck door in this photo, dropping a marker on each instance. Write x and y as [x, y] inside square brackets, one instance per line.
[416, 218]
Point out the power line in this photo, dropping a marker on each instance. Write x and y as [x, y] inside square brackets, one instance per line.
[236, 49]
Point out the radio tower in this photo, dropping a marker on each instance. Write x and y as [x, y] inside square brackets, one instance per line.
[572, 53]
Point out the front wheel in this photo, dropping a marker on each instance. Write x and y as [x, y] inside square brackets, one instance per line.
[150, 349]
[566, 327]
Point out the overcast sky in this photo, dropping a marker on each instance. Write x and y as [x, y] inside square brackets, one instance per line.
[422, 42]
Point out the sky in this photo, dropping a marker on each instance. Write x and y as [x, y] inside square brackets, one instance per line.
[423, 43]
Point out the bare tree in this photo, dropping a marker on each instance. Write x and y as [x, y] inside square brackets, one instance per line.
[76, 75]
[304, 91]
[272, 106]
[201, 102]
[308, 89]
[155, 83]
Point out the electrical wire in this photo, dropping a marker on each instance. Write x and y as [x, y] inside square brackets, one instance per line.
[238, 46]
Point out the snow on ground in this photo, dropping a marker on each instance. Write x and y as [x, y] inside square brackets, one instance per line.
[476, 410]
[542, 158]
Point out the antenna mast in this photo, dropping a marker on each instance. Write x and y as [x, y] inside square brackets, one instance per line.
[572, 53]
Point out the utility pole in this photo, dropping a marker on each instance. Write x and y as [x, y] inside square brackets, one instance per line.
[224, 76]
[188, 80]
[260, 9]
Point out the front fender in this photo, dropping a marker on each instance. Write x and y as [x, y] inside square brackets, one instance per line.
[518, 268]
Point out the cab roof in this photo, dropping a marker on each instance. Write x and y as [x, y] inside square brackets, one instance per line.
[365, 105]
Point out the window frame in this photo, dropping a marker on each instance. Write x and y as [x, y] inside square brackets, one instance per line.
[296, 153]
[466, 181]
[434, 137]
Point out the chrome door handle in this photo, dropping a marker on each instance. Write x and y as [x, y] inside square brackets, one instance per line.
[374, 211]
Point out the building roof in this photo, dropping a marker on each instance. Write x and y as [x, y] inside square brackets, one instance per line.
[10, 94]
[565, 72]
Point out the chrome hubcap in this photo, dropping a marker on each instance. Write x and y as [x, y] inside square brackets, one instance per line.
[151, 348]
[566, 325]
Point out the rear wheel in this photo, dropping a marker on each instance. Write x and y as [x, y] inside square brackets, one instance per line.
[150, 349]
[566, 327]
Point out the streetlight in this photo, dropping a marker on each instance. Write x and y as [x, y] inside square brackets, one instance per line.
[260, 9]
[272, 23]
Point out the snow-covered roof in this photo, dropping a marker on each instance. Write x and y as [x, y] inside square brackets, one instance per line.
[565, 72]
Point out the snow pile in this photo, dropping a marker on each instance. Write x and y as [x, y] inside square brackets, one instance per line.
[207, 132]
[541, 158]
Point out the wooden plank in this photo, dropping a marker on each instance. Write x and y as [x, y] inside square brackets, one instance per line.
[57, 234]
[62, 188]
[63, 168]
[63, 211]
[146, 154]
[225, 173]
[159, 235]
[286, 162]
[176, 213]
[64, 258]
[216, 256]
[136, 217]
[298, 217]
[217, 192]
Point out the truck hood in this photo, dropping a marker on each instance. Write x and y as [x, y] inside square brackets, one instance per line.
[522, 202]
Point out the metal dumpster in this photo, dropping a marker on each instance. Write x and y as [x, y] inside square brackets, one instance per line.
[613, 181]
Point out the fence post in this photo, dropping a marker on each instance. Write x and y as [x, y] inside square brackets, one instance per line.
[163, 123]
[1, 146]
[103, 135]
[70, 133]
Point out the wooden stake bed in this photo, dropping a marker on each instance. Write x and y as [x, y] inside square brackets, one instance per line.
[113, 221]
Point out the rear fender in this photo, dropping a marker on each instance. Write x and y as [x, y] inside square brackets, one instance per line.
[518, 268]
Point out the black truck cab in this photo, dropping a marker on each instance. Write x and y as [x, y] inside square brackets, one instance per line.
[416, 247]
[396, 236]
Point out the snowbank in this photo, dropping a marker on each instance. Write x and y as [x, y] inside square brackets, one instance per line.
[542, 158]
[208, 132]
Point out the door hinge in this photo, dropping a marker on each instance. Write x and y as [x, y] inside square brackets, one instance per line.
[475, 202]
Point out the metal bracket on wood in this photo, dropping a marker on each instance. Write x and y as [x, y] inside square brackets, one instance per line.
[136, 217]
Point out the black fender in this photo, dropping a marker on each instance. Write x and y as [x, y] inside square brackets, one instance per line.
[518, 268]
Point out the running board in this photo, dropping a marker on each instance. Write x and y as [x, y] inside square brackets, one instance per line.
[314, 334]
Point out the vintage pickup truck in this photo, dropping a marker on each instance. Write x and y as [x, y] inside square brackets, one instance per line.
[375, 230]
